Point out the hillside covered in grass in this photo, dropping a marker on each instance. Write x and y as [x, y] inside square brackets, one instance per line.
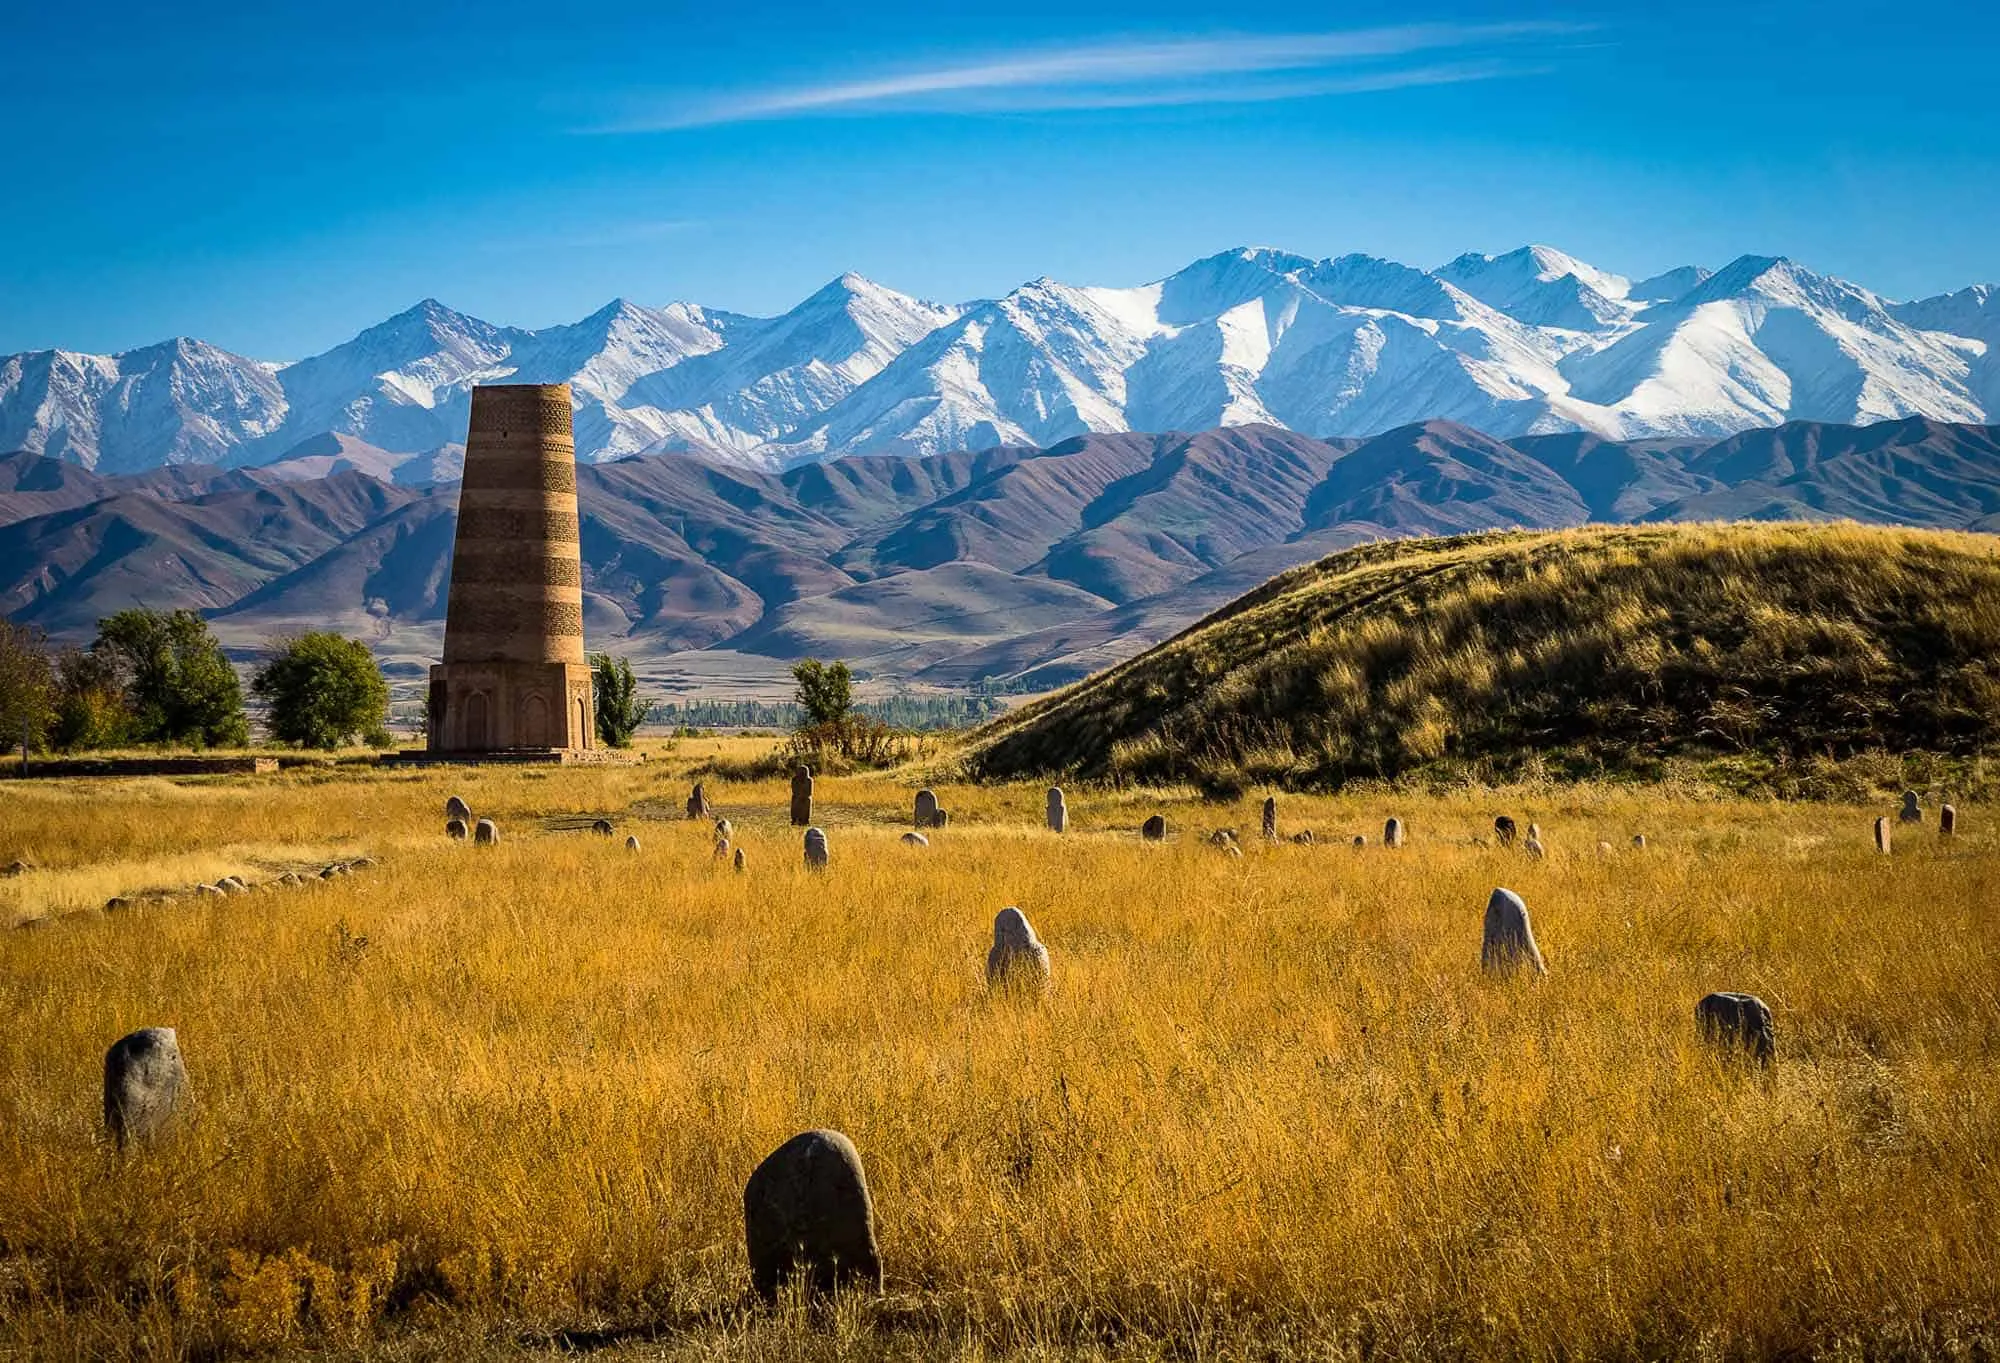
[1578, 652]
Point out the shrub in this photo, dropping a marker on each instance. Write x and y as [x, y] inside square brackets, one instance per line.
[323, 691]
[178, 684]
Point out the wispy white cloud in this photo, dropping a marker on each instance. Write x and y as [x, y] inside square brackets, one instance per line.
[1229, 69]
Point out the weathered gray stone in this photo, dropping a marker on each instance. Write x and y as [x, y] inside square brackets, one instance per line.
[807, 1212]
[1535, 831]
[816, 853]
[144, 1082]
[631, 842]
[1360, 841]
[1947, 820]
[455, 808]
[486, 832]
[1503, 829]
[1639, 842]
[802, 796]
[455, 828]
[215, 890]
[1882, 838]
[1392, 833]
[1741, 1020]
[1509, 939]
[1533, 847]
[603, 828]
[724, 829]
[739, 861]
[926, 811]
[943, 818]
[1154, 829]
[17, 868]
[697, 803]
[1017, 960]
[361, 863]
[294, 878]
[117, 904]
[1605, 849]
[1912, 811]
[1270, 824]
[1304, 837]
[1222, 837]
[1057, 812]
[721, 848]
[915, 840]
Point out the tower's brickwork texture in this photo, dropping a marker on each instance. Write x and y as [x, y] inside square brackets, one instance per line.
[514, 676]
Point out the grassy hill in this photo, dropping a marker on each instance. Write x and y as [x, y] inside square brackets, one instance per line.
[1590, 651]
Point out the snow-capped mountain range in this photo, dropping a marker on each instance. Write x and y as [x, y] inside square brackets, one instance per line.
[1528, 342]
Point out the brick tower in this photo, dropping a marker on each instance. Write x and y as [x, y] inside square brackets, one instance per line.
[514, 679]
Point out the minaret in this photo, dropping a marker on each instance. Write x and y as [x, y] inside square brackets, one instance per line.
[514, 677]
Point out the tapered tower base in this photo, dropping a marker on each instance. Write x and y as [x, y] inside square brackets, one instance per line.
[501, 707]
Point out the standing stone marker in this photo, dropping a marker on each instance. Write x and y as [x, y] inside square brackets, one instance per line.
[816, 857]
[1509, 940]
[802, 796]
[1304, 837]
[915, 840]
[455, 828]
[486, 832]
[1639, 842]
[631, 842]
[1270, 828]
[721, 848]
[1912, 811]
[603, 828]
[1017, 959]
[1882, 839]
[926, 813]
[1503, 829]
[1738, 1020]
[1154, 829]
[455, 808]
[143, 1082]
[1392, 833]
[1058, 811]
[724, 829]
[1533, 847]
[1947, 821]
[739, 861]
[697, 803]
[806, 1210]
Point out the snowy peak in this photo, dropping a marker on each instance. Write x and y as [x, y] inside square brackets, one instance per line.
[1527, 342]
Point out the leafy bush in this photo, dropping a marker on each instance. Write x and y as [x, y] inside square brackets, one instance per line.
[178, 684]
[323, 691]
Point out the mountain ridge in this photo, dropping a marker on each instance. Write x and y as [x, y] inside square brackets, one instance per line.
[1528, 342]
[1014, 565]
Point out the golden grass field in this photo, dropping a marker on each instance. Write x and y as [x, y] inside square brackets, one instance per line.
[1271, 1110]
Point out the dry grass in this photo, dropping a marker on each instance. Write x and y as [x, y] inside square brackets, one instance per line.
[1271, 1110]
[1771, 653]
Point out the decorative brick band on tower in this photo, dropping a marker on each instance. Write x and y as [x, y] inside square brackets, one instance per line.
[514, 676]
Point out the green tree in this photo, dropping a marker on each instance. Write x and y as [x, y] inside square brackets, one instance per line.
[90, 708]
[27, 687]
[825, 693]
[178, 683]
[620, 709]
[323, 691]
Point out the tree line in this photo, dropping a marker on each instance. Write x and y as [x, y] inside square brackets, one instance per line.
[155, 678]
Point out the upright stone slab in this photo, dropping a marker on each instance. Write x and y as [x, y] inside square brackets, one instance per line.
[1913, 810]
[802, 796]
[1057, 813]
[1017, 960]
[486, 832]
[724, 829]
[1503, 829]
[1154, 829]
[1270, 828]
[816, 855]
[632, 842]
[1738, 1020]
[924, 815]
[721, 848]
[1392, 833]
[697, 803]
[738, 862]
[603, 828]
[1508, 942]
[1947, 821]
[1304, 837]
[1638, 842]
[514, 676]
[807, 1212]
[455, 828]
[1882, 837]
[455, 808]
[144, 1081]
[1533, 847]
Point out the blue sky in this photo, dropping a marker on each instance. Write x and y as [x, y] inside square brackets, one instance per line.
[275, 178]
